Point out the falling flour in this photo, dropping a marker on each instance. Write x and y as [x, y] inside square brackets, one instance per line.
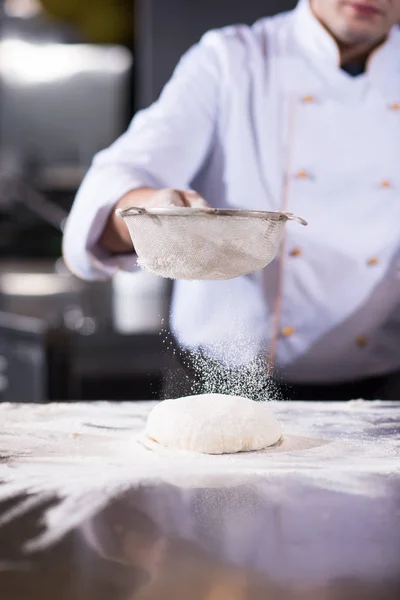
[234, 365]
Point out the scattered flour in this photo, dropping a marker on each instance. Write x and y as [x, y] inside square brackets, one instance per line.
[86, 453]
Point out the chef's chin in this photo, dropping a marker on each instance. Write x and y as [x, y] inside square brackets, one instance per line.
[355, 22]
[360, 26]
[354, 34]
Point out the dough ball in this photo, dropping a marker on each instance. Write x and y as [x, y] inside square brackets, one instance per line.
[213, 424]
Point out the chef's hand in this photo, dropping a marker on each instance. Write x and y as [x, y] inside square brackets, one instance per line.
[115, 237]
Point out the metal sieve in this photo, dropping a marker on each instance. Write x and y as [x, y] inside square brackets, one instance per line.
[204, 243]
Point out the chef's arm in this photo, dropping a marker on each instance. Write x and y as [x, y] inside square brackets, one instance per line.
[164, 148]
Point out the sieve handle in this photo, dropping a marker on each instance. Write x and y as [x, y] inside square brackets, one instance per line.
[123, 212]
[292, 217]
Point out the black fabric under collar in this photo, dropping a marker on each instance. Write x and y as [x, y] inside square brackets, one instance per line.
[355, 68]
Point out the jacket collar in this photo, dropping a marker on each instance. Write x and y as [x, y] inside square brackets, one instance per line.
[313, 37]
[383, 66]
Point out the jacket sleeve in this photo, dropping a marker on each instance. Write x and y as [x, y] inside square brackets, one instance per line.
[165, 146]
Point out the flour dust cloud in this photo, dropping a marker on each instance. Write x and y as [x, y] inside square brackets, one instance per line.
[236, 364]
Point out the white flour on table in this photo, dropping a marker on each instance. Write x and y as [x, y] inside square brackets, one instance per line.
[83, 453]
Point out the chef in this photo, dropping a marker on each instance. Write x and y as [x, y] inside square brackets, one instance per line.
[300, 112]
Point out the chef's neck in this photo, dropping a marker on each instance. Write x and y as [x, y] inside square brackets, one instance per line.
[356, 53]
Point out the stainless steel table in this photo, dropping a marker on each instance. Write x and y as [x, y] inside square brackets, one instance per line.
[317, 517]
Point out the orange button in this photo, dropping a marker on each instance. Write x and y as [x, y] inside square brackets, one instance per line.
[362, 341]
[373, 261]
[386, 184]
[308, 99]
[295, 252]
[395, 106]
[288, 331]
[302, 175]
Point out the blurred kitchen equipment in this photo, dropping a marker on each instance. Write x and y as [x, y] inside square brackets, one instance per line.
[60, 103]
[101, 21]
[14, 190]
[198, 243]
[59, 339]
[47, 290]
[42, 361]
[140, 302]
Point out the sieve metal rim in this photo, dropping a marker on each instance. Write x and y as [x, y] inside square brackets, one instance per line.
[183, 211]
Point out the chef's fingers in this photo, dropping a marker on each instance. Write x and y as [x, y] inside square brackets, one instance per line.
[169, 197]
[183, 198]
[195, 200]
[166, 198]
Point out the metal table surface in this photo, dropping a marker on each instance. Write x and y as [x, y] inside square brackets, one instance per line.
[317, 517]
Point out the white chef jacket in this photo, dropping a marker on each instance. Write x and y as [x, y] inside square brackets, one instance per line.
[263, 118]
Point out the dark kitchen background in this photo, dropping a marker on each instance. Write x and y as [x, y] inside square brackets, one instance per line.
[72, 75]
